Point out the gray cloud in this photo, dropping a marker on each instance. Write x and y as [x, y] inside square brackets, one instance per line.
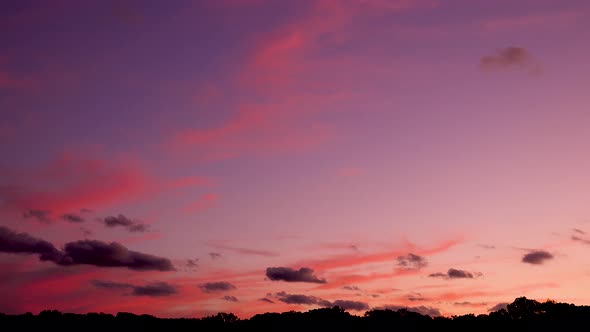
[247, 251]
[423, 310]
[128, 224]
[40, 215]
[579, 231]
[537, 257]
[264, 299]
[288, 274]
[230, 298]
[214, 255]
[351, 288]
[580, 239]
[112, 254]
[412, 262]
[351, 305]
[510, 58]
[23, 243]
[156, 289]
[486, 246]
[498, 306]
[192, 263]
[73, 218]
[218, 286]
[454, 274]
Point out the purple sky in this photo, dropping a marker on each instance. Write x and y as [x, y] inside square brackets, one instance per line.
[420, 153]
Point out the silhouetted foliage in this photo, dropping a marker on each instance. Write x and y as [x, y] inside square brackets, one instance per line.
[523, 313]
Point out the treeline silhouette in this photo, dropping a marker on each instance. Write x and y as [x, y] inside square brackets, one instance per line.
[522, 313]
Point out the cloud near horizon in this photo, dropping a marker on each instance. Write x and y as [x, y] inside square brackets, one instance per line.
[155, 289]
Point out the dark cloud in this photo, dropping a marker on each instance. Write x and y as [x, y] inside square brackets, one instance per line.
[352, 288]
[454, 274]
[112, 254]
[423, 310]
[192, 263]
[23, 243]
[288, 274]
[128, 224]
[579, 231]
[40, 215]
[155, 289]
[219, 286]
[498, 306]
[537, 257]
[580, 239]
[510, 58]
[85, 231]
[264, 299]
[73, 218]
[230, 298]
[301, 299]
[411, 261]
[351, 305]
[214, 255]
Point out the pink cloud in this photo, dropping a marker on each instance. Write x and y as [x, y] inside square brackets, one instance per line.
[205, 201]
[71, 183]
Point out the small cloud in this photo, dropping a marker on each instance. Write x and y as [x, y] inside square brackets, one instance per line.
[412, 262]
[510, 58]
[288, 274]
[246, 251]
[214, 255]
[537, 257]
[192, 263]
[73, 218]
[264, 299]
[122, 221]
[470, 304]
[219, 286]
[486, 246]
[351, 288]
[455, 274]
[498, 306]
[40, 215]
[579, 231]
[85, 231]
[230, 298]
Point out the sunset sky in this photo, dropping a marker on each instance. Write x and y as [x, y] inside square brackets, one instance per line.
[183, 158]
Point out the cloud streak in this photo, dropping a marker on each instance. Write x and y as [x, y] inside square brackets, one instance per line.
[218, 286]
[155, 289]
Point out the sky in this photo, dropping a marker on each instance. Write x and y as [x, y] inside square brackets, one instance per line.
[184, 158]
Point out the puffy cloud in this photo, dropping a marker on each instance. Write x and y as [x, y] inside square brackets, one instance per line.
[454, 274]
[288, 274]
[218, 286]
[128, 224]
[411, 261]
[537, 257]
[14, 242]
